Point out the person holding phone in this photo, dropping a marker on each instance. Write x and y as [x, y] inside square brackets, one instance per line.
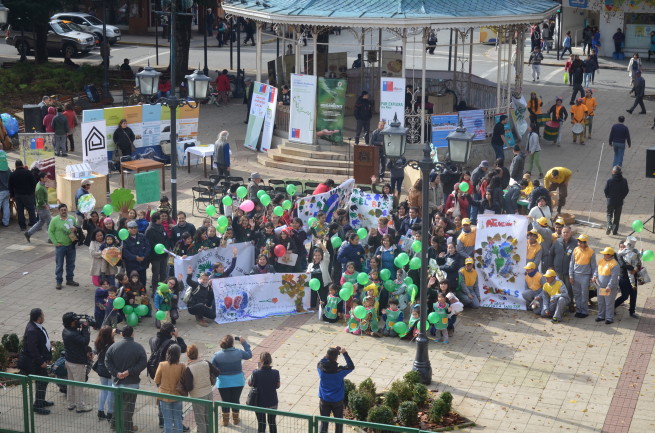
[231, 379]
[332, 388]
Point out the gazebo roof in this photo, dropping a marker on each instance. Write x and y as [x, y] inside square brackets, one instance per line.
[394, 13]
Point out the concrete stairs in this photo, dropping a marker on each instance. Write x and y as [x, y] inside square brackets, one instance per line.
[324, 158]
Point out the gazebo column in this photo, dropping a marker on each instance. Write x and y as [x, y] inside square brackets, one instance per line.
[509, 67]
[404, 50]
[470, 79]
[424, 40]
[520, 43]
[315, 51]
[296, 41]
[361, 67]
[258, 51]
[499, 51]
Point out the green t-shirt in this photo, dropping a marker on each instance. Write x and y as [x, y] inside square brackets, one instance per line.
[59, 229]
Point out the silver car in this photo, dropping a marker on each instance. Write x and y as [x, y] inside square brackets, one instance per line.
[90, 24]
[60, 39]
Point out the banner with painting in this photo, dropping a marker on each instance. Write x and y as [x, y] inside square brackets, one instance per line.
[366, 207]
[252, 297]
[39, 151]
[303, 108]
[258, 109]
[204, 260]
[327, 202]
[392, 99]
[331, 103]
[473, 121]
[442, 126]
[501, 248]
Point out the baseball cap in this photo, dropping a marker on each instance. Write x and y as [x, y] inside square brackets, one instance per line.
[608, 250]
[86, 182]
[132, 224]
[530, 266]
[484, 163]
[543, 221]
[583, 238]
[255, 175]
[468, 260]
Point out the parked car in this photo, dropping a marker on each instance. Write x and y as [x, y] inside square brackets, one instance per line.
[60, 39]
[90, 24]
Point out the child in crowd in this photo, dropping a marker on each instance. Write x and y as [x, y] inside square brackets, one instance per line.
[140, 294]
[101, 295]
[350, 276]
[164, 205]
[332, 305]
[111, 315]
[391, 316]
[163, 301]
[369, 325]
[108, 271]
[141, 221]
[228, 237]
[212, 241]
[442, 309]
[353, 323]
[129, 290]
[97, 238]
[219, 271]
[456, 307]
[412, 326]
[400, 294]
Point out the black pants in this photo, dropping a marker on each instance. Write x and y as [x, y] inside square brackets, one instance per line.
[363, 125]
[71, 141]
[25, 201]
[41, 387]
[314, 296]
[639, 100]
[230, 395]
[336, 409]
[159, 268]
[249, 37]
[261, 422]
[129, 403]
[577, 87]
[613, 217]
[201, 310]
[627, 291]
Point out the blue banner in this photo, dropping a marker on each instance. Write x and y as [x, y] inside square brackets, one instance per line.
[442, 126]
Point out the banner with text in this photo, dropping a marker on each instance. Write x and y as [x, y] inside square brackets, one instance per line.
[269, 120]
[327, 202]
[94, 146]
[473, 121]
[392, 99]
[331, 103]
[257, 114]
[204, 260]
[303, 108]
[502, 246]
[442, 126]
[366, 207]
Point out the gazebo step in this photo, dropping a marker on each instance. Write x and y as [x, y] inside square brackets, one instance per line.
[314, 154]
[300, 156]
[266, 161]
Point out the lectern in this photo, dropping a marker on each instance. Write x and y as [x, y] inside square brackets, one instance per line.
[367, 163]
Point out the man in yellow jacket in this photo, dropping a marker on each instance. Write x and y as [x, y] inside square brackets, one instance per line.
[591, 104]
[578, 115]
[557, 179]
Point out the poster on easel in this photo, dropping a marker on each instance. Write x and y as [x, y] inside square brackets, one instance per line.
[331, 106]
[258, 108]
[303, 108]
[38, 151]
[269, 119]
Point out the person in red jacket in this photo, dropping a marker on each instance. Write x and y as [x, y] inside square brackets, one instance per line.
[457, 204]
[69, 112]
[324, 187]
[223, 87]
[47, 120]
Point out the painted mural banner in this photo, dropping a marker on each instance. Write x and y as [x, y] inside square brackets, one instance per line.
[327, 202]
[303, 108]
[331, 103]
[473, 121]
[501, 248]
[39, 151]
[204, 260]
[392, 99]
[253, 297]
[366, 207]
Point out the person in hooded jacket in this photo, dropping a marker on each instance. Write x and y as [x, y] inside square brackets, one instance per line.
[331, 388]
[616, 190]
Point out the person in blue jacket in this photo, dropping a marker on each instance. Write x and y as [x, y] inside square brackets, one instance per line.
[136, 250]
[331, 387]
[353, 252]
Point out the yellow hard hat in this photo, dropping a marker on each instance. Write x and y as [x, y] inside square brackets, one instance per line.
[533, 232]
[466, 221]
[543, 221]
[560, 221]
[530, 266]
[550, 273]
[583, 238]
[608, 250]
[468, 260]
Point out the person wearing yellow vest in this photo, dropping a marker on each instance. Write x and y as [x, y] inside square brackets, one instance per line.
[606, 278]
[468, 285]
[554, 297]
[591, 104]
[466, 239]
[581, 269]
[533, 283]
[579, 114]
[534, 248]
[556, 179]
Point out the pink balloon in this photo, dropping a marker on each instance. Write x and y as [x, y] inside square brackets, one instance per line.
[247, 206]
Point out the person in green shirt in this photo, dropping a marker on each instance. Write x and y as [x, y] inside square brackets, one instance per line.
[62, 234]
[42, 207]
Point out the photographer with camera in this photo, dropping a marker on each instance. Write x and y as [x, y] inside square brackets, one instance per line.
[76, 338]
[331, 387]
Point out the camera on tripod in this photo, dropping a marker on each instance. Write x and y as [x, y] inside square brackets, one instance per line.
[81, 319]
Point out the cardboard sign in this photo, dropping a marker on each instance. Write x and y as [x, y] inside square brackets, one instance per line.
[113, 255]
[148, 187]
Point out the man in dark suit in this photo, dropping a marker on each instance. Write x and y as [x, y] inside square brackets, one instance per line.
[35, 357]
[407, 223]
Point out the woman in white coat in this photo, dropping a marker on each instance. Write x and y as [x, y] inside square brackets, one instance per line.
[634, 66]
[319, 268]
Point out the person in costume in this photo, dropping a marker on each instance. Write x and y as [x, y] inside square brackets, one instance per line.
[590, 102]
[534, 281]
[456, 307]
[468, 285]
[412, 325]
[391, 316]
[441, 325]
[332, 306]
[400, 292]
[353, 323]
[164, 298]
[369, 324]
[606, 279]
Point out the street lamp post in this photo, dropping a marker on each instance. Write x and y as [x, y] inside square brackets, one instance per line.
[459, 144]
[205, 70]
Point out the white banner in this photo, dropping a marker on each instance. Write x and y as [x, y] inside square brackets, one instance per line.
[94, 146]
[366, 207]
[303, 108]
[259, 296]
[503, 245]
[392, 99]
[257, 114]
[269, 120]
[204, 260]
[327, 202]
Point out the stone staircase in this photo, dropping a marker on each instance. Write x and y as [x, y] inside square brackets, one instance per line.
[324, 158]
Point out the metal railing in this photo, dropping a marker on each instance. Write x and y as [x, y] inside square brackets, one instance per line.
[137, 408]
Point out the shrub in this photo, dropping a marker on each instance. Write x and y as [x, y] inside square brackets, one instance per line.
[404, 390]
[348, 386]
[420, 394]
[437, 411]
[11, 343]
[408, 413]
[380, 415]
[392, 400]
[58, 348]
[359, 404]
[447, 398]
[4, 358]
[368, 387]
[412, 376]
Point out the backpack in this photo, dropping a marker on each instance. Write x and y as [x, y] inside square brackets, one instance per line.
[155, 356]
[189, 292]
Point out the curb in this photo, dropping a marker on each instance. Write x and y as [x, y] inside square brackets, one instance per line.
[150, 44]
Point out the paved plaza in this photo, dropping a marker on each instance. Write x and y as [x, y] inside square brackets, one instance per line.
[509, 371]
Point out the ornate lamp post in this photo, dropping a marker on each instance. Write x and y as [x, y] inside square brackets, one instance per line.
[459, 144]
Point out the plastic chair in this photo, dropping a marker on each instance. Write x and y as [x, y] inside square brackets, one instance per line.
[235, 179]
[276, 182]
[297, 183]
[309, 184]
[200, 195]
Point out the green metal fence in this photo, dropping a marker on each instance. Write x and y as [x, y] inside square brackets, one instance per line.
[17, 413]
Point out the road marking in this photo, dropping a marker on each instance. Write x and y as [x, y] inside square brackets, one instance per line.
[552, 74]
[489, 72]
[143, 59]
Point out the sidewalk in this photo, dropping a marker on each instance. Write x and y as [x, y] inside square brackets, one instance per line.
[197, 41]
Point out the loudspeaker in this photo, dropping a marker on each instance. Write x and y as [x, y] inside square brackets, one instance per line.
[650, 162]
[33, 120]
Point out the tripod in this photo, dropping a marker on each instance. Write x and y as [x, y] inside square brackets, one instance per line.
[652, 217]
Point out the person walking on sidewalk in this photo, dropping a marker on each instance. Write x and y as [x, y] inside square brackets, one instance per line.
[630, 262]
[619, 138]
[616, 190]
[577, 76]
[639, 89]
[42, 207]
[566, 44]
[619, 38]
[21, 189]
[591, 104]
[534, 148]
[535, 60]
[498, 139]
[331, 387]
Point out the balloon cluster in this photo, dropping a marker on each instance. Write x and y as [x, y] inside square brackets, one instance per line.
[131, 313]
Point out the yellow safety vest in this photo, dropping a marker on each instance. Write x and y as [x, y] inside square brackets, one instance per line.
[533, 282]
[582, 257]
[553, 289]
[605, 267]
[467, 239]
[533, 250]
[470, 278]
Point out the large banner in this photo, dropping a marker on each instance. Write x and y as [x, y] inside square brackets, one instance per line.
[204, 260]
[39, 151]
[303, 108]
[366, 207]
[502, 246]
[331, 103]
[327, 202]
[392, 99]
[269, 120]
[259, 296]
[94, 146]
[258, 108]
[473, 121]
[442, 126]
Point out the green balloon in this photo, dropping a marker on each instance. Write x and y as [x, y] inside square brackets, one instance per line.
[348, 286]
[222, 221]
[463, 186]
[417, 246]
[408, 281]
[291, 189]
[415, 263]
[227, 201]
[132, 319]
[311, 222]
[385, 274]
[242, 191]
[398, 262]
[128, 309]
[286, 204]
[160, 249]
[390, 285]
[345, 294]
[221, 229]
[142, 310]
[160, 315]
[107, 209]
[433, 317]
[265, 199]
[400, 328]
[123, 234]
[118, 303]
[360, 312]
[637, 226]
[260, 193]
[362, 233]
[362, 278]
[314, 284]
[210, 210]
[403, 258]
[277, 210]
[412, 290]
[336, 241]
[647, 255]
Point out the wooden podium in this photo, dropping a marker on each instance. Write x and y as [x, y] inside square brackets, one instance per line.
[366, 163]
